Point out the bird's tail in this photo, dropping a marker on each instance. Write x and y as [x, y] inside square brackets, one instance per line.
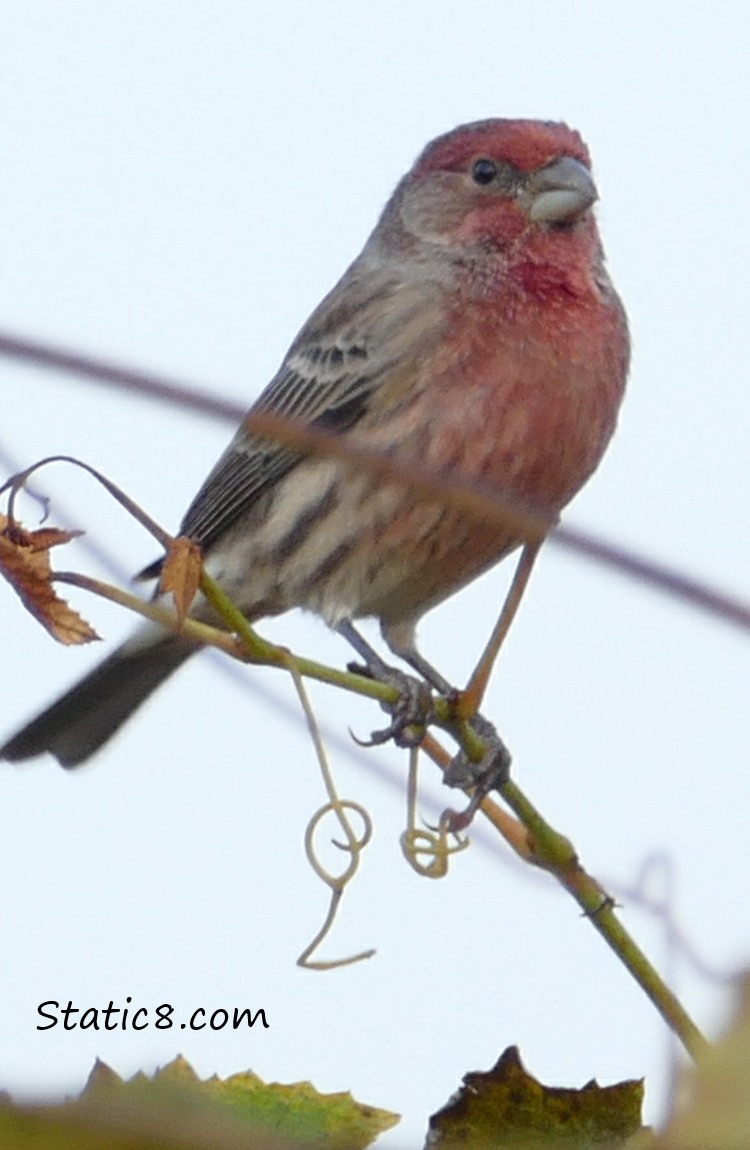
[87, 716]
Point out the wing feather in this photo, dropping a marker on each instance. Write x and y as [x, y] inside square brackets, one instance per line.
[328, 379]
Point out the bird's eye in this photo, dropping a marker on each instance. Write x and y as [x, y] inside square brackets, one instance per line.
[483, 171]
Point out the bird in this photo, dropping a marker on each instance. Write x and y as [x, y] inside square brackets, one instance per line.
[477, 335]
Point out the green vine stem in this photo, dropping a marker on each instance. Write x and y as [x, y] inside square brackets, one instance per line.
[548, 849]
[555, 853]
[541, 845]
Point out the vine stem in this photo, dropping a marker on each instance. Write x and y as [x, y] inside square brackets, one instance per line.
[531, 837]
[555, 853]
[546, 847]
[536, 842]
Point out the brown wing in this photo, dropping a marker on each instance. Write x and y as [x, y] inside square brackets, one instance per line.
[328, 379]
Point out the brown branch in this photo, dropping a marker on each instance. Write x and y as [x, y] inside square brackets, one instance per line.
[640, 568]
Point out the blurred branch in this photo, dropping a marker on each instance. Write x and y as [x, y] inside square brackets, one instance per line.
[100, 371]
[640, 568]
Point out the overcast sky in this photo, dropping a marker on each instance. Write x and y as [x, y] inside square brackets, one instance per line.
[181, 183]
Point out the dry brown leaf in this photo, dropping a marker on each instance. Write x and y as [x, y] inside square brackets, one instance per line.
[181, 573]
[25, 563]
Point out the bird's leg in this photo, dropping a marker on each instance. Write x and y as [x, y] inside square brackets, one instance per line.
[424, 668]
[411, 712]
[401, 640]
[492, 769]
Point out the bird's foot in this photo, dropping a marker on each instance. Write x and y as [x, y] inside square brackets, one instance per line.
[411, 711]
[489, 773]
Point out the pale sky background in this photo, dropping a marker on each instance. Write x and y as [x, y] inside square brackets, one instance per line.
[180, 184]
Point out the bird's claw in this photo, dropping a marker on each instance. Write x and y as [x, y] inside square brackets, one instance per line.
[492, 770]
[410, 712]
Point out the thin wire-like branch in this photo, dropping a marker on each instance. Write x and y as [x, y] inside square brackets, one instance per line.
[100, 371]
[640, 568]
[470, 699]
[15, 483]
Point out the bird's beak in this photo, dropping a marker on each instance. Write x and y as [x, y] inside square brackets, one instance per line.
[559, 193]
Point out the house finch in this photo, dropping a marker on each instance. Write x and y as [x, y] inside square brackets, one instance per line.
[478, 335]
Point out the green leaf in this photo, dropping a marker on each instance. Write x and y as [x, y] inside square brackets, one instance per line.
[175, 1110]
[507, 1108]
